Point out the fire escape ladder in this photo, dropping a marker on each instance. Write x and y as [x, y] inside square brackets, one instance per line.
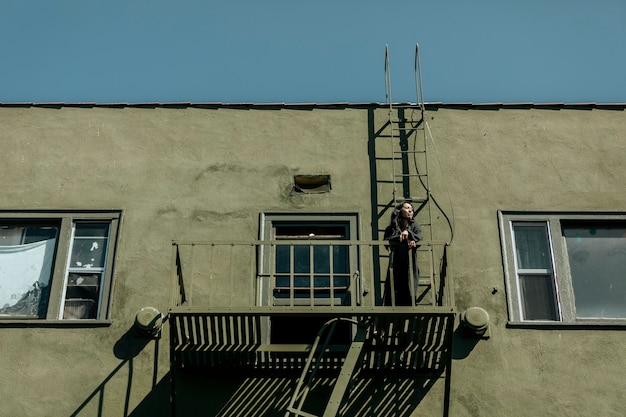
[406, 131]
[406, 164]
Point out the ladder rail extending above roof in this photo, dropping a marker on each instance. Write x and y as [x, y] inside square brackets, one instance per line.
[401, 128]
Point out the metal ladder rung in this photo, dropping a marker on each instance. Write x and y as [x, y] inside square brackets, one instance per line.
[411, 175]
[395, 121]
[407, 152]
[406, 105]
[404, 129]
[412, 199]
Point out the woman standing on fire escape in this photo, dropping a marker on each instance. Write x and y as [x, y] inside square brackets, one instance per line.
[403, 234]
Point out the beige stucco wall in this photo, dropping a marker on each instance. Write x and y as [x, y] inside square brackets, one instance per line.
[204, 174]
[531, 159]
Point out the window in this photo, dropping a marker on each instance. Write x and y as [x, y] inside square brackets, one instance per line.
[311, 275]
[56, 265]
[565, 267]
[318, 272]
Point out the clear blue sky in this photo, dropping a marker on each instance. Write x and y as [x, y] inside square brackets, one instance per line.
[319, 51]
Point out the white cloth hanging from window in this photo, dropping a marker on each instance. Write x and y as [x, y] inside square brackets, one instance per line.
[21, 266]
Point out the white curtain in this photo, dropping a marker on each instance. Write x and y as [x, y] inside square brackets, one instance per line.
[21, 266]
[531, 243]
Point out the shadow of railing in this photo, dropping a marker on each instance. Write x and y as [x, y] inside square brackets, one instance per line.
[405, 353]
[126, 349]
[268, 394]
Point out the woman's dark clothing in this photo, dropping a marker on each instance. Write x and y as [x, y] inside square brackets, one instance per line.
[399, 265]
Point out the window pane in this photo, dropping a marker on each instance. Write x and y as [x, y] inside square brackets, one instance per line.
[26, 261]
[322, 281]
[301, 287]
[597, 258]
[302, 281]
[531, 244]
[299, 281]
[342, 281]
[92, 230]
[282, 281]
[88, 253]
[322, 259]
[282, 259]
[301, 259]
[538, 298]
[82, 296]
[341, 264]
[89, 247]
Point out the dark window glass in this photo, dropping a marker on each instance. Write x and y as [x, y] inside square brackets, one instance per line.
[89, 246]
[538, 297]
[531, 244]
[597, 260]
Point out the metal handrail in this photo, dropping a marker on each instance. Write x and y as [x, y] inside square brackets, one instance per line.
[242, 270]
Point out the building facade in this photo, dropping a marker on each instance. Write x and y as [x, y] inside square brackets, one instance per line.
[180, 259]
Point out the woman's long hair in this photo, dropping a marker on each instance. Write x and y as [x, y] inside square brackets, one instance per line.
[395, 216]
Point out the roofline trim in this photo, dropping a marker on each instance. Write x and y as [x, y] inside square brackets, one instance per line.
[334, 105]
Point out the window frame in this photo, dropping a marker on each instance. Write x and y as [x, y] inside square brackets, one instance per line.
[550, 271]
[60, 269]
[267, 226]
[301, 329]
[562, 281]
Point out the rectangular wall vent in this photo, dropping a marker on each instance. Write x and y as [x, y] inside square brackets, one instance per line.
[311, 184]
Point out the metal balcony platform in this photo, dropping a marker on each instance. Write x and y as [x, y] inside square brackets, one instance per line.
[394, 340]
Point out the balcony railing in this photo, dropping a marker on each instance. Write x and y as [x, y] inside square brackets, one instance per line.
[302, 273]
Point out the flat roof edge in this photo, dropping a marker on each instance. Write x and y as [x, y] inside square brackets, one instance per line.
[333, 105]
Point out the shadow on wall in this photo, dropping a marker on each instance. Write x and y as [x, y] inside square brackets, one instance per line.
[463, 344]
[157, 402]
[267, 394]
[126, 349]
